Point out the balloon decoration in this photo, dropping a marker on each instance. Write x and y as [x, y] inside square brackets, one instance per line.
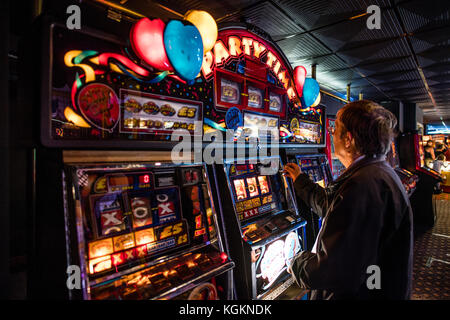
[99, 105]
[206, 26]
[311, 92]
[147, 41]
[175, 48]
[184, 48]
[307, 88]
[299, 79]
[316, 103]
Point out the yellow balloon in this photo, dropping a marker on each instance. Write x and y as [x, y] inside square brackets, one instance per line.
[206, 25]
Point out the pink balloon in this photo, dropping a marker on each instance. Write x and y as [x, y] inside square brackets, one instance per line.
[299, 79]
[147, 41]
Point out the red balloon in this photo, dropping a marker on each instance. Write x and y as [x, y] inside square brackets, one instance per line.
[299, 79]
[147, 41]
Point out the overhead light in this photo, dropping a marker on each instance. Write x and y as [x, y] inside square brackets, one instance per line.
[358, 16]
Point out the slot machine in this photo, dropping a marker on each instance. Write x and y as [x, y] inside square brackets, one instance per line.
[144, 230]
[411, 157]
[255, 100]
[263, 226]
[111, 203]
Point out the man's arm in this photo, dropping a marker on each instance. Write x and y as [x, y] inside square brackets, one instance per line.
[312, 194]
[348, 241]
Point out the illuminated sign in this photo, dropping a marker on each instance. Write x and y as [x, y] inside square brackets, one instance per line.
[240, 43]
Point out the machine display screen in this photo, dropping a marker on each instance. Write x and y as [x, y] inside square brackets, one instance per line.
[254, 193]
[230, 91]
[255, 97]
[310, 132]
[239, 189]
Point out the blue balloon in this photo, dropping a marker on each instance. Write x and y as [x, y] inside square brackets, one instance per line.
[311, 90]
[184, 48]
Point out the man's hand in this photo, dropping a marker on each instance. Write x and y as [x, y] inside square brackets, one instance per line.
[292, 171]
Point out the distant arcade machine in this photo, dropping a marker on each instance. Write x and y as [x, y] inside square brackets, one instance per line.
[411, 157]
[409, 179]
[317, 168]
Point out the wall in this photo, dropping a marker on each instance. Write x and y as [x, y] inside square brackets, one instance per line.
[419, 115]
[331, 104]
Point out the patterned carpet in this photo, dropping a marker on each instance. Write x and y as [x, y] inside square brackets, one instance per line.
[431, 271]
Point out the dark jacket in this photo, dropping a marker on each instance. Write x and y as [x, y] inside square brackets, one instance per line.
[367, 221]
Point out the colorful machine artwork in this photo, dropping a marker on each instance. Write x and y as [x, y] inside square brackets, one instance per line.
[253, 81]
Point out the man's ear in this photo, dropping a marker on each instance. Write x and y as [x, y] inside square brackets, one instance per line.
[348, 140]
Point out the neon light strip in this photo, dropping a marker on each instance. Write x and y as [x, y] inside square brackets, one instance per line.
[75, 118]
[87, 53]
[70, 55]
[213, 124]
[75, 86]
[104, 57]
[156, 79]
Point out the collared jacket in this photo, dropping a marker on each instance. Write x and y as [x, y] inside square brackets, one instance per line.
[364, 248]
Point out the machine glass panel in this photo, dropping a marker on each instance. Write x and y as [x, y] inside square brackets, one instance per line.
[145, 230]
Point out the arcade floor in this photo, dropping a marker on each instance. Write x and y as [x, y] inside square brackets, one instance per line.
[431, 270]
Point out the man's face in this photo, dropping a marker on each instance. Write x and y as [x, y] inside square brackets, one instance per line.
[337, 139]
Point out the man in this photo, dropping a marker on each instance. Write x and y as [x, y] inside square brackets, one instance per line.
[367, 215]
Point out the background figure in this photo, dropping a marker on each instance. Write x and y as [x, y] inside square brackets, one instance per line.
[440, 156]
[440, 151]
[447, 148]
[429, 154]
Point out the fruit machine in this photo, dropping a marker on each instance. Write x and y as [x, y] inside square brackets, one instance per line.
[257, 106]
[264, 228]
[144, 230]
[408, 179]
[114, 207]
[411, 157]
[336, 166]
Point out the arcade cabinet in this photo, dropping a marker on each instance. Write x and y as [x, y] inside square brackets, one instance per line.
[254, 99]
[109, 199]
[412, 159]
